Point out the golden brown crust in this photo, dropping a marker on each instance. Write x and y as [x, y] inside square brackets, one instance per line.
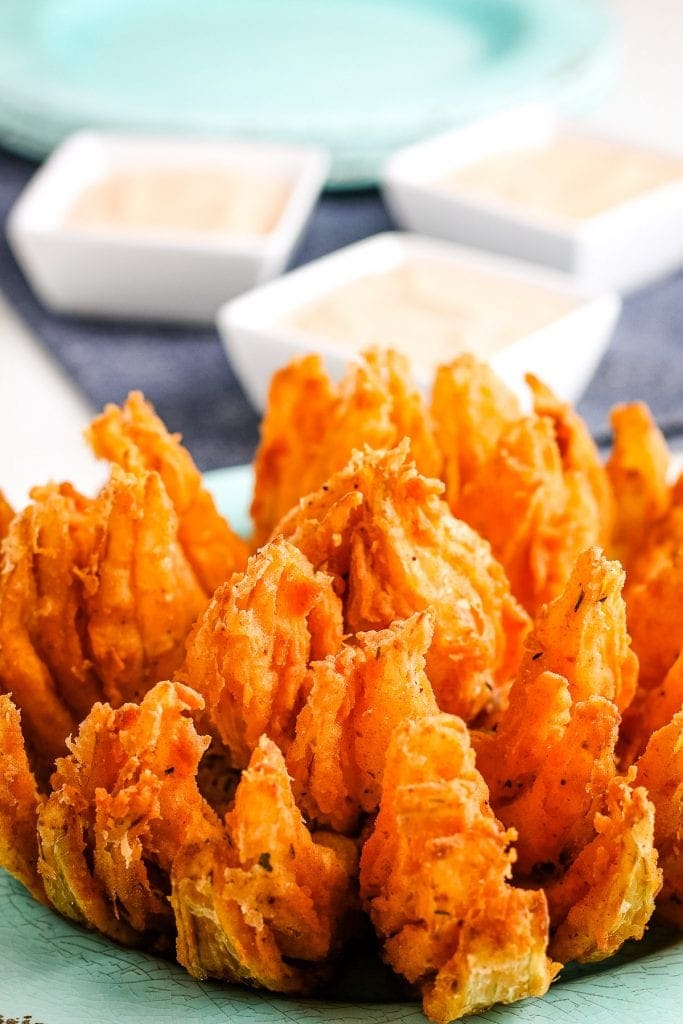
[64, 527]
[549, 514]
[6, 517]
[96, 600]
[385, 531]
[266, 893]
[470, 409]
[434, 879]
[336, 642]
[134, 438]
[47, 720]
[655, 626]
[637, 469]
[533, 486]
[125, 826]
[649, 537]
[578, 451]
[123, 802]
[248, 654]
[651, 710]
[20, 803]
[660, 770]
[408, 413]
[300, 399]
[355, 700]
[582, 634]
[142, 596]
[608, 894]
[310, 428]
[584, 834]
[547, 768]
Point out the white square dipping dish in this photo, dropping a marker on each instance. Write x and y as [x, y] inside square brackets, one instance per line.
[621, 247]
[564, 353]
[170, 275]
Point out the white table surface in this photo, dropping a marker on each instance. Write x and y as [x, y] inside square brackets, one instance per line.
[42, 417]
[41, 412]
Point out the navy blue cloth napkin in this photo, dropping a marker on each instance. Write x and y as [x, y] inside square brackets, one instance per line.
[186, 374]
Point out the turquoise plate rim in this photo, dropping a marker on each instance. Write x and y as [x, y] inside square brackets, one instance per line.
[55, 972]
[557, 45]
[58, 973]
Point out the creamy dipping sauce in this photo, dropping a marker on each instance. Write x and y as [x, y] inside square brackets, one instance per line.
[574, 178]
[206, 200]
[430, 310]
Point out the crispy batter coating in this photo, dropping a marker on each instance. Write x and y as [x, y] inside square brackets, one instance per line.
[20, 803]
[356, 699]
[582, 634]
[547, 767]
[470, 409]
[301, 395]
[47, 719]
[6, 517]
[310, 428]
[143, 596]
[265, 904]
[608, 894]
[64, 526]
[96, 600]
[654, 621]
[385, 530]
[549, 513]
[319, 667]
[534, 486]
[434, 878]
[584, 834]
[637, 469]
[550, 760]
[134, 438]
[123, 803]
[650, 711]
[249, 652]
[126, 825]
[578, 451]
[660, 770]
[408, 413]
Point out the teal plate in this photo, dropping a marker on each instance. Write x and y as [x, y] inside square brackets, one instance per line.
[53, 972]
[57, 973]
[361, 77]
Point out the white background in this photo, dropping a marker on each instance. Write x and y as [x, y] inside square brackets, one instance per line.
[42, 415]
